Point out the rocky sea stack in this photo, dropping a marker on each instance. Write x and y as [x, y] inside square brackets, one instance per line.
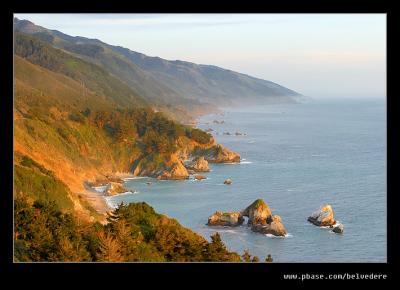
[323, 217]
[259, 215]
[231, 219]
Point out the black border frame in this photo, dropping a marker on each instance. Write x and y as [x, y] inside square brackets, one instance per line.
[263, 272]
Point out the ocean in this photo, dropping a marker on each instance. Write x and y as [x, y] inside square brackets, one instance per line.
[296, 157]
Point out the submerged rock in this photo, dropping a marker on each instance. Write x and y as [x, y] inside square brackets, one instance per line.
[225, 219]
[258, 212]
[199, 164]
[199, 177]
[228, 181]
[323, 217]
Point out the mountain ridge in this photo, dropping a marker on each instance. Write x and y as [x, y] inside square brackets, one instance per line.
[175, 82]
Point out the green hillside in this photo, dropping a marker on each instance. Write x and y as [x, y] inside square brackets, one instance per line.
[76, 122]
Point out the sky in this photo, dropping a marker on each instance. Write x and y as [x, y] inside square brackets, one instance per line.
[317, 55]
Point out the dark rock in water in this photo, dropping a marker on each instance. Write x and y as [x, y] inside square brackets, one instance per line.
[227, 133]
[323, 217]
[339, 229]
[228, 181]
[225, 219]
[199, 177]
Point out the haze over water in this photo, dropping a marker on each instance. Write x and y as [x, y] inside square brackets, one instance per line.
[296, 158]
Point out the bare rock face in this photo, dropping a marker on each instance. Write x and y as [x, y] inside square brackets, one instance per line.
[258, 212]
[199, 164]
[323, 217]
[273, 226]
[220, 154]
[177, 172]
[114, 188]
[225, 219]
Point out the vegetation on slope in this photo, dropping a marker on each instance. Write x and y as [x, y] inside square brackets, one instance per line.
[135, 232]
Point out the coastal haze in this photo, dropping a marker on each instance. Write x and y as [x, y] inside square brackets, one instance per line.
[301, 99]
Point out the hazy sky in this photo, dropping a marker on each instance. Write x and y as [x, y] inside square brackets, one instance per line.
[318, 55]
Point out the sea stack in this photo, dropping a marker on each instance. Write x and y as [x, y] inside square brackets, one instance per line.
[323, 217]
[259, 215]
[231, 219]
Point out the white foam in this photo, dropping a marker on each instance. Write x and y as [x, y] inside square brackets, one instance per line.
[133, 178]
[126, 193]
[245, 162]
[251, 142]
[288, 235]
[100, 189]
[109, 203]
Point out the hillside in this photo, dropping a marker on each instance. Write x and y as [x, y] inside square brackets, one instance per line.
[84, 113]
[83, 134]
[181, 84]
[135, 233]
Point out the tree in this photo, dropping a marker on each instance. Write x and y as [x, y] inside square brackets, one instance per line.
[109, 248]
[255, 259]
[269, 259]
[246, 256]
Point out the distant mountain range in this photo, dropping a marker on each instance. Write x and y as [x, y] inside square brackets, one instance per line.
[166, 85]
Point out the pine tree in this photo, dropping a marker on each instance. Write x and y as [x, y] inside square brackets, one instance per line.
[109, 248]
[246, 256]
[269, 259]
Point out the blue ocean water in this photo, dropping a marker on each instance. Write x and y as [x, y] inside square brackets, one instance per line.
[296, 158]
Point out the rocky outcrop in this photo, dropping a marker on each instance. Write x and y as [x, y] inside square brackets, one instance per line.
[199, 177]
[225, 219]
[260, 219]
[228, 181]
[220, 154]
[258, 212]
[169, 168]
[271, 226]
[114, 188]
[177, 172]
[323, 217]
[199, 164]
